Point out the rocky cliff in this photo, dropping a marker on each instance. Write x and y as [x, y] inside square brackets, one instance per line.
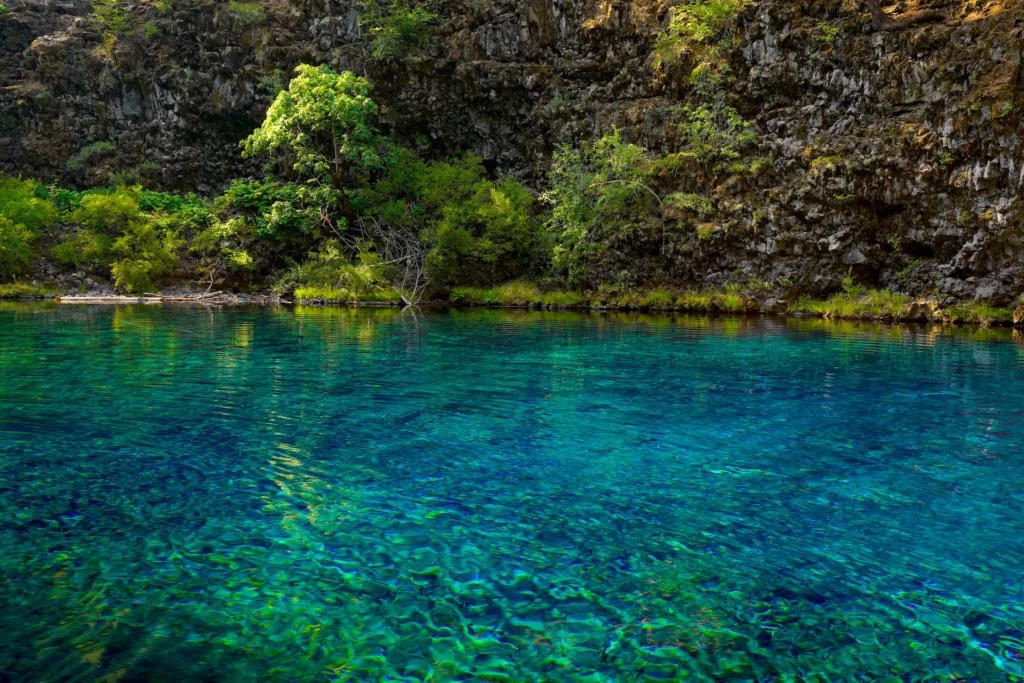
[896, 147]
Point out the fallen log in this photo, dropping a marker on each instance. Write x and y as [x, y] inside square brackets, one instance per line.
[107, 300]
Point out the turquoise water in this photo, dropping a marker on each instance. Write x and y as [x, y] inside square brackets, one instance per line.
[316, 495]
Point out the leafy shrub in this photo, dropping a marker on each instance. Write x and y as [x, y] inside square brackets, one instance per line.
[396, 27]
[713, 136]
[274, 210]
[695, 203]
[84, 248]
[111, 16]
[322, 127]
[16, 250]
[481, 231]
[25, 203]
[596, 192]
[329, 268]
[828, 32]
[110, 213]
[850, 286]
[95, 149]
[344, 296]
[694, 24]
[146, 257]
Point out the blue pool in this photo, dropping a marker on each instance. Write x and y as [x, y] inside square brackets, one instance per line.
[366, 495]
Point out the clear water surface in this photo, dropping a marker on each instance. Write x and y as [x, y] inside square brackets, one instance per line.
[359, 495]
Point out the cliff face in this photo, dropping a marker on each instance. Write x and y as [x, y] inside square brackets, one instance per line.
[897, 150]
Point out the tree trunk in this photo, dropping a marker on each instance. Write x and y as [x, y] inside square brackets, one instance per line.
[344, 205]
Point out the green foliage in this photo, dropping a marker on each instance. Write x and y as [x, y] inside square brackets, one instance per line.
[855, 304]
[330, 269]
[694, 25]
[828, 33]
[395, 27]
[272, 83]
[517, 293]
[850, 286]
[26, 203]
[975, 312]
[323, 119]
[112, 18]
[147, 255]
[23, 289]
[322, 124]
[695, 203]
[820, 165]
[16, 251]
[760, 165]
[483, 231]
[84, 248]
[271, 209]
[713, 137]
[246, 13]
[477, 231]
[592, 191]
[343, 296]
[3, 9]
[95, 149]
[110, 213]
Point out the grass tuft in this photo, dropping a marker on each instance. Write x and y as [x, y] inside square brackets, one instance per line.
[20, 289]
[333, 295]
[870, 305]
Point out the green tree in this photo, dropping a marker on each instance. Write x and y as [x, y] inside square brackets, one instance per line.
[322, 125]
[593, 191]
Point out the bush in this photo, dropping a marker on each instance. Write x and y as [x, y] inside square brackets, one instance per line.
[483, 231]
[694, 24]
[89, 151]
[329, 269]
[110, 213]
[16, 250]
[25, 203]
[395, 28]
[713, 137]
[86, 247]
[272, 210]
[597, 192]
[146, 257]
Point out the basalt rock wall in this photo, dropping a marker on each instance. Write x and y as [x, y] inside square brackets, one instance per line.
[896, 149]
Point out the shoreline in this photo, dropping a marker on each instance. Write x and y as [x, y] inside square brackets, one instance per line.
[914, 312]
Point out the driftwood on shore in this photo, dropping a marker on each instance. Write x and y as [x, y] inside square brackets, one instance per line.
[211, 299]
